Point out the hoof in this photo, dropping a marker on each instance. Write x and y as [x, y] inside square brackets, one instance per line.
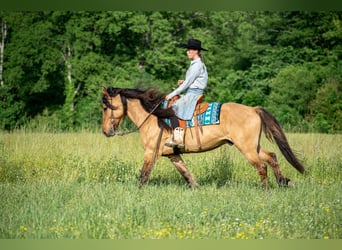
[290, 184]
[285, 182]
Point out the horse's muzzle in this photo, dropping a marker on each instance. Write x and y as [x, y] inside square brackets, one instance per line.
[109, 133]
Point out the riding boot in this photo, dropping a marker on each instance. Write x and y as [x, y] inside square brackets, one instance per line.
[177, 138]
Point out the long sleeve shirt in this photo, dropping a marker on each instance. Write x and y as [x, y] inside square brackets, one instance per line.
[196, 78]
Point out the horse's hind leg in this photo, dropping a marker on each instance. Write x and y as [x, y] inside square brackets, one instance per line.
[253, 157]
[271, 159]
[259, 166]
[183, 170]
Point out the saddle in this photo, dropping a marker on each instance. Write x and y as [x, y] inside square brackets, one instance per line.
[200, 108]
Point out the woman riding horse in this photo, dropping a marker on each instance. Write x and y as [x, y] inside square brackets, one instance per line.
[195, 82]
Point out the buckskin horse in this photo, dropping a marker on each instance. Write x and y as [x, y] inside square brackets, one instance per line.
[239, 125]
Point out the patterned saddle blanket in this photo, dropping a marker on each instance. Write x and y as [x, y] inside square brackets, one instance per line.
[210, 117]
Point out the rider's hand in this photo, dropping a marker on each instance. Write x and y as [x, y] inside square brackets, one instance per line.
[180, 82]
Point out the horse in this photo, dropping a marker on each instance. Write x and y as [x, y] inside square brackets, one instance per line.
[240, 126]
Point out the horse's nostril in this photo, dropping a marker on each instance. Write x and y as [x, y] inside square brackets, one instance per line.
[108, 133]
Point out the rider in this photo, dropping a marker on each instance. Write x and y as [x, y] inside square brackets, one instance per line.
[195, 82]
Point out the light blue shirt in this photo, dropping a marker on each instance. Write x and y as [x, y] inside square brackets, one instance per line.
[196, 78]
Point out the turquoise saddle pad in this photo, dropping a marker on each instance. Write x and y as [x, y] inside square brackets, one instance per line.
[210, 117]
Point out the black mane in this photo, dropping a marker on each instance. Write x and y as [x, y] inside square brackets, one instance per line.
[149, 99]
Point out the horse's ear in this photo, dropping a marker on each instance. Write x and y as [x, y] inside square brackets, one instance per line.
[105, 92]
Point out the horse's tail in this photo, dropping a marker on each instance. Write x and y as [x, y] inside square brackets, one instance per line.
[273, 130]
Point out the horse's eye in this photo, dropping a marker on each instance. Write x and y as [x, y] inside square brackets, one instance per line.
[105, 108]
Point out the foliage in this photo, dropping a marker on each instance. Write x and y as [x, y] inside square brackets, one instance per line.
[58, 60]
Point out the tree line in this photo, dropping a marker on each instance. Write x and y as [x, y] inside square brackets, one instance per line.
[53, 63]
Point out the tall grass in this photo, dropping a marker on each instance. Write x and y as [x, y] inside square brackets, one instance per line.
[83, 185]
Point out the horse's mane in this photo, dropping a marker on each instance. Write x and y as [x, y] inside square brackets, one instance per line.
[149, 99]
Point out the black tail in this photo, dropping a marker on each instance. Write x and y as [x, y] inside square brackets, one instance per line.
[273, 130]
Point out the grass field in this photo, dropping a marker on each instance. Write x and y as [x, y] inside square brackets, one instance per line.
[83, 185]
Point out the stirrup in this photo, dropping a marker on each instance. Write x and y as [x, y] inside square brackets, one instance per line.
[172, 144]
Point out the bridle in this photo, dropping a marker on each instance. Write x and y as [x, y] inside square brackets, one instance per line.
[124, 104]
[112, 108]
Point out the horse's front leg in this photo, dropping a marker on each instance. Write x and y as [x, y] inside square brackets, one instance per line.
[183, 170]
[146, 169]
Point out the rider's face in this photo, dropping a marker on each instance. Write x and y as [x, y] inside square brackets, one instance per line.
[192, 54]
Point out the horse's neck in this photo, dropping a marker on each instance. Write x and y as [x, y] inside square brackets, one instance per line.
[136, 113]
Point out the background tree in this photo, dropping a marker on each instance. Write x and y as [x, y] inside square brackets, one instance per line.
[30, 70]
[55, 62]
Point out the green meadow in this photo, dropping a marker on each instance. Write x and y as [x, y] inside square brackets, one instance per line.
[85, 186]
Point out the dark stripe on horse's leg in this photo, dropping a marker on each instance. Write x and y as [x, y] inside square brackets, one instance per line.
[271, 159]
[145, 172]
